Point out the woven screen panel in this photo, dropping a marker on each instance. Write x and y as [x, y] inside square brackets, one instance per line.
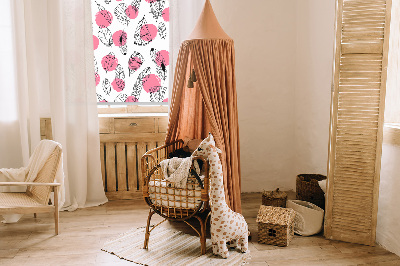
[356, 119]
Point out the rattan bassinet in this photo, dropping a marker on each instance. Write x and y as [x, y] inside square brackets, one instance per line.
[170, 202]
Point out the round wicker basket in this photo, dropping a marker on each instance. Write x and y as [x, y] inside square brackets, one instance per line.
[308, 189]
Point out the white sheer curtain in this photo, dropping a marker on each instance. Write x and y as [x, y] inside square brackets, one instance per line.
[55, 78]
[183, 18]
[10, 147]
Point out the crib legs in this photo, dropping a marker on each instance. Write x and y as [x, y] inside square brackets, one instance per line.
[147, 235]
[203, 224]
[203, 231]
[203, 236]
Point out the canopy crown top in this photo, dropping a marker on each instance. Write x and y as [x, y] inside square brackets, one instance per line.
[207, 26]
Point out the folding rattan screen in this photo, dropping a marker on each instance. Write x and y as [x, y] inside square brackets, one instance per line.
[358, 96]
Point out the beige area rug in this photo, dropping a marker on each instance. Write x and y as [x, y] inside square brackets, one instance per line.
[168, 247]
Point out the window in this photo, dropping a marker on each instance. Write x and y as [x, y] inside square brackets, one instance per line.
[131, 57]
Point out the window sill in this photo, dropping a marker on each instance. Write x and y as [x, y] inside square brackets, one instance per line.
[127, 115]
[132, 110]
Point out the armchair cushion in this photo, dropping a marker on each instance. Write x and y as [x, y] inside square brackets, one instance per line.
[16, 199]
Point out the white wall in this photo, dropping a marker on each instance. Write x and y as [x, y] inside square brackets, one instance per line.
[284, 52]
[314, 60]
[388, 227]
[264, 33]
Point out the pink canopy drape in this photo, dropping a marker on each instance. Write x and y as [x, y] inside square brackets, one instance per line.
[211, 106]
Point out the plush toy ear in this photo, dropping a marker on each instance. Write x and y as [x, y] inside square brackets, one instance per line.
[216, 149]
[210, 136]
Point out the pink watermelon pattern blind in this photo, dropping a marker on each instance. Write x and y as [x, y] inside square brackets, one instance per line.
[131, 57]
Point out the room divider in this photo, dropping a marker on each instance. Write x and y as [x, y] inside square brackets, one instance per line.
[357, 108]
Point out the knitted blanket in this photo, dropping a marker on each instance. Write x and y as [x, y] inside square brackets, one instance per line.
[176, 170]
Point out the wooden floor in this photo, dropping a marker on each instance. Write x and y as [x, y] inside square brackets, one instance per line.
[83, 232]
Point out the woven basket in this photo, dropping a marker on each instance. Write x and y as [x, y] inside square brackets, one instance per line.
[308, 189]
[275, 225]
[274, 198]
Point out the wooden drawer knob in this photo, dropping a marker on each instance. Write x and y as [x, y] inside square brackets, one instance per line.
[133, 124]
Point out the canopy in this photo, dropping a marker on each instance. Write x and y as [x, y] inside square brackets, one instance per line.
[211, 105]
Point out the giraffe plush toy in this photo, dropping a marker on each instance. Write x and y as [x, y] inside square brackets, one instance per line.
[226, 225]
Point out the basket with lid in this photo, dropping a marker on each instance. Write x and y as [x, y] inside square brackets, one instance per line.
[274, 198]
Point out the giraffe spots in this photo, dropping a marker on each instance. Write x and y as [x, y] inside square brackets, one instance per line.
[226, 225]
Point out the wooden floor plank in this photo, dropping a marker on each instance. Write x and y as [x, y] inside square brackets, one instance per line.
[82, 233]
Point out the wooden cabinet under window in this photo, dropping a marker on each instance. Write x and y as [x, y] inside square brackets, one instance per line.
[123, 141]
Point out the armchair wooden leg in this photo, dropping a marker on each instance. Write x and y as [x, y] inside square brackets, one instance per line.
[147, 235]
[56, 212]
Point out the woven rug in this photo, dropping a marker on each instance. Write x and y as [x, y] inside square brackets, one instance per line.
[168, 247]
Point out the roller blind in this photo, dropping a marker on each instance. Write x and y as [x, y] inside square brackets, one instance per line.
[131, 50]
[358, 97]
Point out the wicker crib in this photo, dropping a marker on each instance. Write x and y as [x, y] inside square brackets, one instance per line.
[170, 202]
